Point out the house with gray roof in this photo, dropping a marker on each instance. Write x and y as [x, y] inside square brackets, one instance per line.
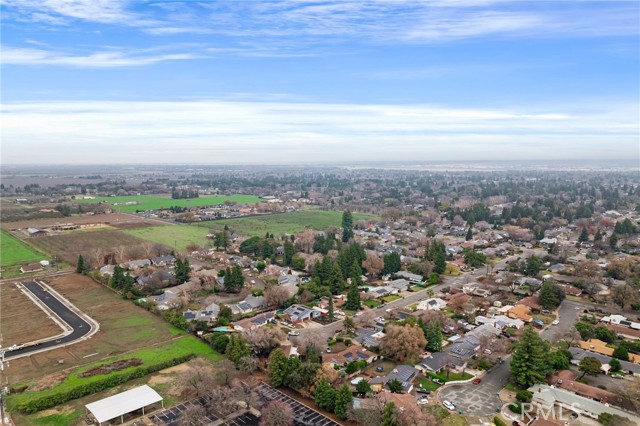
[579, 354]
[250, 303]
[405, 374]
[400, 284]
[163, 260]
[298, 313]
[208, 314]
[413, 278]
[288, 280]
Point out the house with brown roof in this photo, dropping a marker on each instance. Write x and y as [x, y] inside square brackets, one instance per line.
[348, 355]
[31, 267]
[531, 302]
[521, 312]
[591, 392]
[600, 347]
[627, 332]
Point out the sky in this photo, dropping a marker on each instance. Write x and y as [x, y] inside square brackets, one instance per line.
[294, 82]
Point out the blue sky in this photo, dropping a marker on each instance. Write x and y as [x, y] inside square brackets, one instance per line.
[301, 81]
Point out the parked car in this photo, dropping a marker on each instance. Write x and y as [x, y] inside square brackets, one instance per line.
[438, 381]
[476, 381]
[379, 369]
[424, 391]
[450, 405]
[555, 322]
[328, 350]
[293, 333]
[423, 400]
[617, 376]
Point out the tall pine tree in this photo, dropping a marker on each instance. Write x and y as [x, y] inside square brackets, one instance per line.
[529, 364]
[347, 226]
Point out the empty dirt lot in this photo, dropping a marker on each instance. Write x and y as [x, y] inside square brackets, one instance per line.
[123, 327]
[113, 219]
[21, 320]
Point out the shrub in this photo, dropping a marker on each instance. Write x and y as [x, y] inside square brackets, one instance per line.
[524, 396]
[498, 421]
[516, 407]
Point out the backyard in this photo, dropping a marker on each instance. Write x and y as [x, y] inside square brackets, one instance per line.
[156, 202]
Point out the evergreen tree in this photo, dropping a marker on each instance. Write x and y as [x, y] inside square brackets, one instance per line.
[395, 386]
[590, 365]
[331, 313]
[355, 273]
[615, 365]
[621, 352]
[347, 226]
[353, 297]
[336, 281]
[363, 387]
[325, 395]
[548, 298]
[277, 368]
[434, 336]
[237, 348]
[182, 270]
[469, 235]
[344, 397]
[392, 263]
[529, 363]
[598, 236]
[349, 325]
[80, 265]
[117, 279]
[439, 258]
[389, 417]
[289, 252]
[613, 242]
[584, 236]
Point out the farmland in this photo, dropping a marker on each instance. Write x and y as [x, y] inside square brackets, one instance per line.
[156, 202]
[15, 252]
[91, 244]
[179, 236]
[286, 223]
[112, 219]
[123, 327]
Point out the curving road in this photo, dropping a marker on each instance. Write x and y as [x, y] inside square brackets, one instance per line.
[80, 327]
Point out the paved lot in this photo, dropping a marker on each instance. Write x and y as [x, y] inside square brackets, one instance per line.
[304, 416]
[171, 416]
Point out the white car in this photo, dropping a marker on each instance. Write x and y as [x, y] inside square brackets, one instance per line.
[450, 405]
[423, 400]
[293, 333]
[556, 322]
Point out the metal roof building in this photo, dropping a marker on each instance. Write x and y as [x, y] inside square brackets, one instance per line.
[123, 403]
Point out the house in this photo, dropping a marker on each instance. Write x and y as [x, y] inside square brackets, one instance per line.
[629, 333]
[405, 374]
[434, 363]
[531, 302]
[163, 260]
[299, 313]
[485, 330]
[379, 292]
[250, 303]
[254, 322]
[208, 314]
[107, 270]
[134, 264]
[402, 401]
[548, 241]
[412, 278]
[31, 267]
[500, 322]
[621, 321]
[433, 304]
[520, 312]
[549, 397]
[347, 356]
[367, 337]
[288, 280]
[567, 382]
[598, 346]
[481, 292]
[571, 290]
[579, 354]
[399, 284]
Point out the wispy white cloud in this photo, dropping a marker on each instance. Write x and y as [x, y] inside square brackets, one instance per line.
[409, 21]
[279, 132]
[102, 59]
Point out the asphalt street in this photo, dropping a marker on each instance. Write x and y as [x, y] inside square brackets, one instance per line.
[80, 327]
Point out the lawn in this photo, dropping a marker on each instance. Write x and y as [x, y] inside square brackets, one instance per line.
[152, 356]
[285, 223]
[176, 236]
[453, 377]
[391, 298]
[428, 384]
[15, 252]
[156, 202]
[371, 303]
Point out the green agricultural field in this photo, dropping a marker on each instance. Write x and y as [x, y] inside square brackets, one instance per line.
[175, 236]
[155, 202]
[285, 223]
[15, 252]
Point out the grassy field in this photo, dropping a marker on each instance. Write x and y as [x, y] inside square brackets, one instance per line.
[123, 327]
[15, 252]
[286, 223]
[156, 355]
[177, 236]
[155, 202]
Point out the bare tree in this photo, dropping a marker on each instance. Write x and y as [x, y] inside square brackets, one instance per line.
[305, 240]
[120, 253]
[366, 318]
[147, 248]
[264, 339]
[403, 342]
[373, 264]
[277, 413]
[194, 415]
[222, 401]
[225, 373]
[275, 295]
[197, 380]
[412, 415]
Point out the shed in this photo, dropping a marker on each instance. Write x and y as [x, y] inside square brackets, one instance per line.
[123, 403]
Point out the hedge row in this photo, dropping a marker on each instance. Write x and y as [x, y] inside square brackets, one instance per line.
[29, 403]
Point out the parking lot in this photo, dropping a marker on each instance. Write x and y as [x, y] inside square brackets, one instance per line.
[304, 416]
[171, 416]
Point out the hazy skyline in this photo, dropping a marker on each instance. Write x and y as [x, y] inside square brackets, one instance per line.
[282, 82]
